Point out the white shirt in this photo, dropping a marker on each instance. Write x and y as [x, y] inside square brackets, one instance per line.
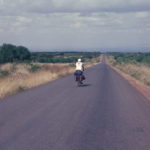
[79, 66]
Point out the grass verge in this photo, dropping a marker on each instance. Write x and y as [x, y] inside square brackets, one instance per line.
[19, 77]
[136, 73]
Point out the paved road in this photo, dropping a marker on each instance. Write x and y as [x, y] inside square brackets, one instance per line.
[107, 113]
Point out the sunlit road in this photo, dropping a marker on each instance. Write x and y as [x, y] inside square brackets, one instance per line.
[107, 113]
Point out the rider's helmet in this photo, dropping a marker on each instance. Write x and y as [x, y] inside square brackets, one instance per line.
[79, 60]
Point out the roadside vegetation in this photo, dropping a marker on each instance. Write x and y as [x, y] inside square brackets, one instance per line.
[63, 57]
[11, 53]
[19, 77]
[21, 69]
[137, 65]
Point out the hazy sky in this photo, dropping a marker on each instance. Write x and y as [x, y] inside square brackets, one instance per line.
[76, 24]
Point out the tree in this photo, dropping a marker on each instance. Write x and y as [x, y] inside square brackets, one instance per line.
[6, 52]
[9, 53]
[22, 53]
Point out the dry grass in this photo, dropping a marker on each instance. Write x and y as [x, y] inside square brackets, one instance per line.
[19, 77]
[139, 71]
[137, 74]
[93, 62]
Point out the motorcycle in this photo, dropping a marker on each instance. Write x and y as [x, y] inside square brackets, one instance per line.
[79, 77]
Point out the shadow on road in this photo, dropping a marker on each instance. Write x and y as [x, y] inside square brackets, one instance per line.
[84, 85]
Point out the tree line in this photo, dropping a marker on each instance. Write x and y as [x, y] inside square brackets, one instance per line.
[63, 57]
[132, 57]
[12, 53]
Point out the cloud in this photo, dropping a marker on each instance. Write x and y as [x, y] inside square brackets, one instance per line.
[90, 6]
[71, 24]
[70, 6]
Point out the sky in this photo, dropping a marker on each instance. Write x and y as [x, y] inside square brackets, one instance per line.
[89, 25]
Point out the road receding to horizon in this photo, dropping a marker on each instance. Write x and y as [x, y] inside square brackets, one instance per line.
[106, 113]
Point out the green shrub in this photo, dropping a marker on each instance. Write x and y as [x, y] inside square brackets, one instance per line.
[72, 65]
[34, 68]
[21, 89]
[136, 75]
[4, 73]
[114, 63]
[132, 57]
[148, 83]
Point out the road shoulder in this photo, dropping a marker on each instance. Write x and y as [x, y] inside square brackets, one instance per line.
[145, 90]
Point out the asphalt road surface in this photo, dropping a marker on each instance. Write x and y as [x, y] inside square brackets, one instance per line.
[107, 113]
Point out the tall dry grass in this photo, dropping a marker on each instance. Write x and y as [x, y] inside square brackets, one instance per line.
[139, 71]
[20, 77]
